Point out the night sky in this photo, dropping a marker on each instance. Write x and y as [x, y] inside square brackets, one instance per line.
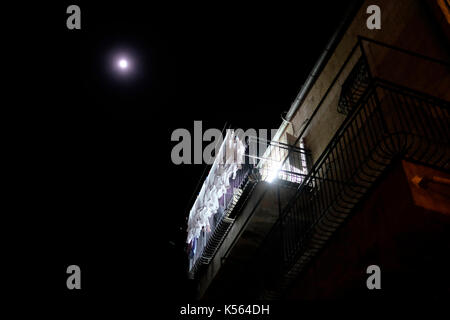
[96, 147]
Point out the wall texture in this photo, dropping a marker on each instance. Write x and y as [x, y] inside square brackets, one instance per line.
[409, 24]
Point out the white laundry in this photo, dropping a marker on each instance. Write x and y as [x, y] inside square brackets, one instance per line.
[228, 161]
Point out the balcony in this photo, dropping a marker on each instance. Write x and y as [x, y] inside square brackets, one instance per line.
[384, 121]
[275, 164]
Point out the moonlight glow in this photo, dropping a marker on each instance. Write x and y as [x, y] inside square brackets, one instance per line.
[123, 64]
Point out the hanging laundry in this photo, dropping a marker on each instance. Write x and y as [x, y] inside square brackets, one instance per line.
[228, 161]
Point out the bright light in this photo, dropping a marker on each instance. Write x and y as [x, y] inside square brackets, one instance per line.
[123, 64]
[273, 171]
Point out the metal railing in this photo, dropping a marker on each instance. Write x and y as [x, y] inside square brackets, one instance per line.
[283, 162]
[391, 122]
[220, 222]
[354, 86]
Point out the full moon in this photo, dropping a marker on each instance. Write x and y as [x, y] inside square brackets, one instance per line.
[123, 63]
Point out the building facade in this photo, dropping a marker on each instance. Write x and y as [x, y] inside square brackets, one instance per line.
[357, 174]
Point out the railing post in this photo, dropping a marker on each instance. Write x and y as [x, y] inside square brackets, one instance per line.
[366, 60]
[282, 247]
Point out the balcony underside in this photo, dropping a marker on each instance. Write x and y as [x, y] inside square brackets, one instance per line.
[246, 234]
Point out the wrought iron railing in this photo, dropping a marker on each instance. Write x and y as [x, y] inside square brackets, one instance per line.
[354, 86]
[391, 122]
[220, 222]
[283, 162]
